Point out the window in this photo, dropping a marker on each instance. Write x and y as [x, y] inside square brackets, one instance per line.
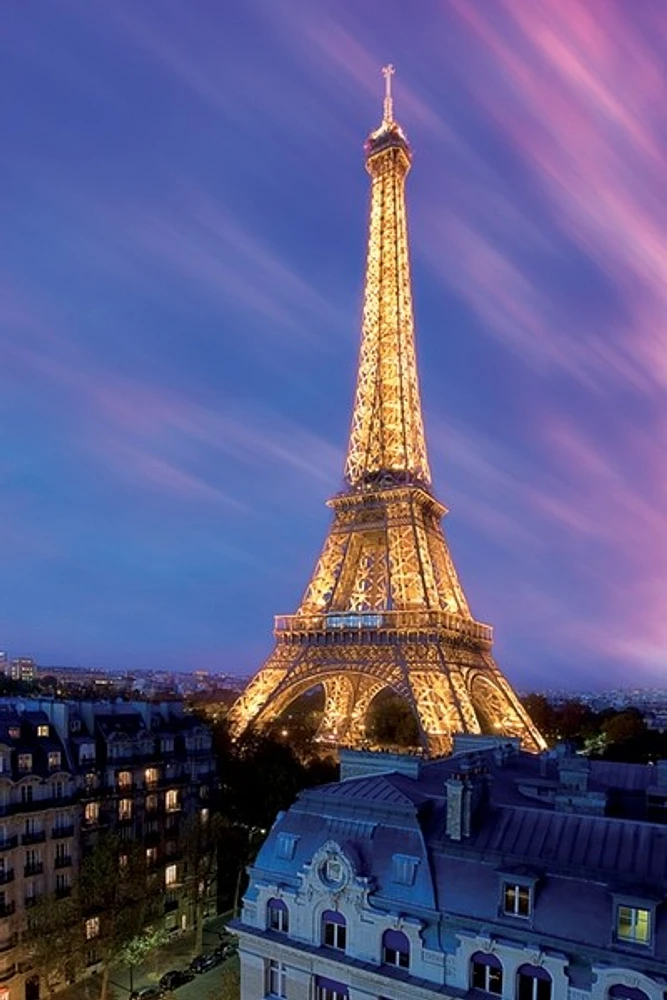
[623, 992]
[395, 949]
[276, 979]
[90, 781]
[54, 760]
[486, 973]
[278, 916]
[167, 744]
[58, 789]
[203, 816]
[516, 900]
[333, 930]
[151, 777]
[170, 875]
[333, 871]
[125, 809]
[151, 803]
[123, 861]
[26, 793]
[124, 779]
[25, 762]
[329, 989]
[86, 753]
[286, 846]
[534, 983]
[151, 855]
[633, 924]
[92, 928]
[42, 730]
[171, 800]
[91, 812]
[62, 884]
[403, 869]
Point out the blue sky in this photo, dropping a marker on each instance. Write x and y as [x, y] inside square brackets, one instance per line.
[183, 206]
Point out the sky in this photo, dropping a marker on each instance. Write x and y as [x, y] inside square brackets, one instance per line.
[183, 208]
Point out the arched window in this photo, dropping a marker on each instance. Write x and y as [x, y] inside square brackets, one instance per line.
[486, 973]
[395, 949]
[333, 929]
[623, 992]
[278, 915]
[534, 983]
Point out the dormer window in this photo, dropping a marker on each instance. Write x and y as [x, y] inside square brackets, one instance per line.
[404, 869]
[516, 899]
[14, 732]
[25, 763]
[42, 730]
[54, 760]
[633, 924]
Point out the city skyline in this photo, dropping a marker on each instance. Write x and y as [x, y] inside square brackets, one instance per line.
[182, 277]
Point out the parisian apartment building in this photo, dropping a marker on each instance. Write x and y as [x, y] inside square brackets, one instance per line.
[492, 873]
[69, 770]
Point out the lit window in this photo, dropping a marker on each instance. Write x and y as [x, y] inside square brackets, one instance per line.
[125, 809]
[486, 973]
[124, 779]
[278, 916]
[42, 730]
[395, 949]
[25, 762]
[151, 855]
[54, 760]
[123, 860]
[333, 930]
[203, 815]
[534, 983]
[633, 924]
[276, 979]
[516, 900]
[171, 800]
[151, 777]
[170, 875]
[91, 812]
[92, 928]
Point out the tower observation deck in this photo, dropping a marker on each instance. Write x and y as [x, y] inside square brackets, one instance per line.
[384, 607]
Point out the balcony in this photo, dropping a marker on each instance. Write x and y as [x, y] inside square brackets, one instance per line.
[6, 944]
[63, 861]
[8, 843]
[34, 837]
[372, 627]
[59, 832]
[34, 868]
[6, 876]
[6, 909]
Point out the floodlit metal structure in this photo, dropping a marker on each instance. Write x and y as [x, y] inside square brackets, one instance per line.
[384, 607]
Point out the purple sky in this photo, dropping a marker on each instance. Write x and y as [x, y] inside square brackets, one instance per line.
[183, 205]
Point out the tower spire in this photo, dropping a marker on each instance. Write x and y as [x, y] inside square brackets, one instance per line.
[387, 436]
[388, 118]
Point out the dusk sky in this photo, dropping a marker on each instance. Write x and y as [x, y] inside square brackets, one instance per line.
[183, 208]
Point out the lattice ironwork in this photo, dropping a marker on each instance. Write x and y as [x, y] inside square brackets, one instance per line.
[384, 607]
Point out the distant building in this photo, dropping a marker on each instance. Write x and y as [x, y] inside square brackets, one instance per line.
[71, 769]
[490, 873]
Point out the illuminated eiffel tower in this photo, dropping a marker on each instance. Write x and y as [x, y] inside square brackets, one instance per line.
[384, 607]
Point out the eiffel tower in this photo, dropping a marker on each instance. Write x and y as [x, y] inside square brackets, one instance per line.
[384, 607]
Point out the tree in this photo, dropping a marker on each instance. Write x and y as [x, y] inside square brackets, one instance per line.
[138, 949]
[200, 839]
[51, 944]
[116, 897]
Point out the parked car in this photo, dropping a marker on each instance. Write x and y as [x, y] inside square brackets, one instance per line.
[202, 963]
[175, 978]
[148, 993]
[228, 949]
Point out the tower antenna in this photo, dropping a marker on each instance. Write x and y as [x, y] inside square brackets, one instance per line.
[388, 72]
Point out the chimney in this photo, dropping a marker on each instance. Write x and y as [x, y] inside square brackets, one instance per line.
[466, 790]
